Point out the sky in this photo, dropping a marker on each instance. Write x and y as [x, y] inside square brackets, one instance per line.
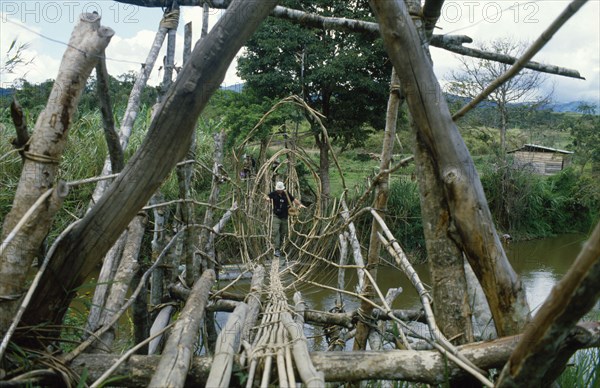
[45, 26]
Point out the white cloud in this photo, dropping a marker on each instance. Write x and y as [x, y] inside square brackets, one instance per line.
[576, 45]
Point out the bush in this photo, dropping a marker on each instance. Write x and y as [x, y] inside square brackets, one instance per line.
[527, 205]
[404, 215]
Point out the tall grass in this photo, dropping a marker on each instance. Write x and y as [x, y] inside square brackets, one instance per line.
[583, 370]
[527, 205]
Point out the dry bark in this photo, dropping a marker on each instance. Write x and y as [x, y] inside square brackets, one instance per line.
[541, 354]
[427, 367]
[167, 140]
[115, 152]
[471, 223]
[175, 360]
[42, 159]
[444, 258]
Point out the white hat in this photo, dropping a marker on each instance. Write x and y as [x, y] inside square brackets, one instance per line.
[279, 186]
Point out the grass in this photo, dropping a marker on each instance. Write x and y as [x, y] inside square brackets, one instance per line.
[583, 370]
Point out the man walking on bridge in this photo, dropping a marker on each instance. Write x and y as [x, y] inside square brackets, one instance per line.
[282, 201]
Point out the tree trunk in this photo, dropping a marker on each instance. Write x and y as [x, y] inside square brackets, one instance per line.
[105, 277]
[380, 204]
[471, 223]
[202, 262]
[444, 258]
[254, 303]
[167, 141]
[322, 143]
[42, 159]
[175, 361]
[132, 109]
[123, 278]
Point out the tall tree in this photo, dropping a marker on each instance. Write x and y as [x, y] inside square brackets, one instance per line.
[340, 74]
[475, 75]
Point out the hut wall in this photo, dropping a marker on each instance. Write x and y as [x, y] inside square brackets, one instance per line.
[544, 163]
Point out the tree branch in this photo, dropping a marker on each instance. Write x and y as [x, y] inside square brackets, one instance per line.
[571, 9]
[431, 13]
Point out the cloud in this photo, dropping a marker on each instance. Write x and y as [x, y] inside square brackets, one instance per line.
[576, 45]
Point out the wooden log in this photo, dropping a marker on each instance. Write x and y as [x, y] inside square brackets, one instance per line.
[444, 258]
[228, 345]
[253, 302]
[175, 360]
[160, 322]
[167, 140]
[427, 367]
[310, 375]
[42, 160]
[472, 226]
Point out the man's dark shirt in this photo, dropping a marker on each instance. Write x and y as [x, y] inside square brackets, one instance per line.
[280, 203]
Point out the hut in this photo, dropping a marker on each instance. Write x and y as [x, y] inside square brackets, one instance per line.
[543, 160]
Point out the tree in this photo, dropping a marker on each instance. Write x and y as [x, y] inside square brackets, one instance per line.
[476, 74]
[342, 75]
[586, 137]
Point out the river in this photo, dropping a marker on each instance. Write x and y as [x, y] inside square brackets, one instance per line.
[539, 263]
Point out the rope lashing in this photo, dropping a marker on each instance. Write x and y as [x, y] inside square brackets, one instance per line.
[170, 20]
[41, 158]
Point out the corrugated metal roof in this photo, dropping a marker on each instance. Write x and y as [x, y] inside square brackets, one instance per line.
[539, 148]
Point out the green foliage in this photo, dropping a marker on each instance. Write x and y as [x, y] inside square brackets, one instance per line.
[585, 130]
[344, 76]
[529, 206]
[404, 216]
[583, 371]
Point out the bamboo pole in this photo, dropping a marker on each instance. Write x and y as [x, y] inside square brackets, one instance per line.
[228, 346]
[175, 361]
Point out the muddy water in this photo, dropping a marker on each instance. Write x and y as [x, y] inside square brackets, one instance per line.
[540, 263]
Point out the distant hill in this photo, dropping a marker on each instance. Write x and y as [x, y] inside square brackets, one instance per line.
[6, 92]
[558, 106]
[562, 107]
[234, 88]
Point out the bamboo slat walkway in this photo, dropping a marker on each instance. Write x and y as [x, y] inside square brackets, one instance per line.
[279, 345]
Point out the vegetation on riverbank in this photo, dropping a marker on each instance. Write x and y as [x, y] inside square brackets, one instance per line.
[523, 204]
